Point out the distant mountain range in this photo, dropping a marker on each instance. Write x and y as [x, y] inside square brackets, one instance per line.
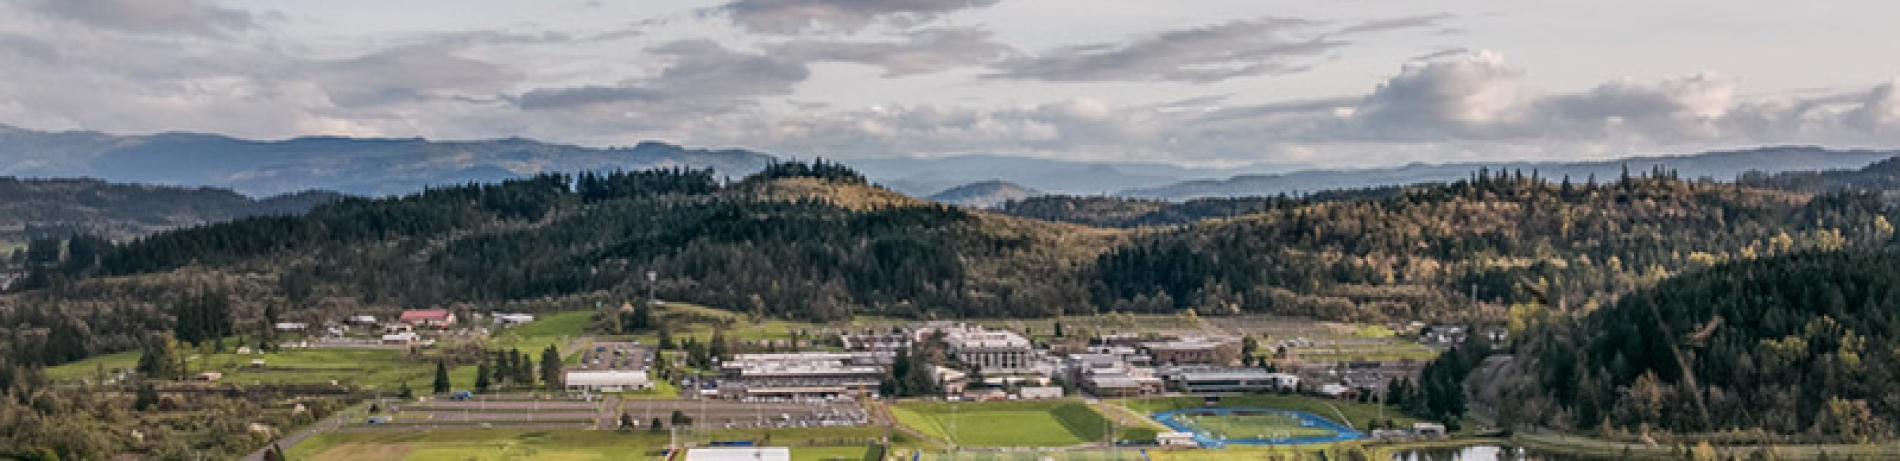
[40, 208]
[1719, 165]
[986, 194]
[923, 177]
[348, 165]
[394, 166]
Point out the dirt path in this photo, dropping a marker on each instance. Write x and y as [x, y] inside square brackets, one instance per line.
[881, 415]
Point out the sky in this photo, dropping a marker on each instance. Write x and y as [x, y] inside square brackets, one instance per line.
[1336, 83]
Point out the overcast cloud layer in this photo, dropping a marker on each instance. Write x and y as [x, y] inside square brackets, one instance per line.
[1193, 82]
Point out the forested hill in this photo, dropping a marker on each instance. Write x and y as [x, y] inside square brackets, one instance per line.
[57, 208]
[1800, 345]
[1881, 177]
[1504, 238]
[815, 241]
[809, 241]
[1122, 212]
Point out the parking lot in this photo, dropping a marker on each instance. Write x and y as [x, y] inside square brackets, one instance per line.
[615, 356]
[485, 411]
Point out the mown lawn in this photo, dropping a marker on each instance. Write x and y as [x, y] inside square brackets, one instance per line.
[564, 445]
[1005, 424]
[479, 444]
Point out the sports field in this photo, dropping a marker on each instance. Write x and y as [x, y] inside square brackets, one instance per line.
[1356, 414]
[1005, 424]
[557, 445]
[1251, 424]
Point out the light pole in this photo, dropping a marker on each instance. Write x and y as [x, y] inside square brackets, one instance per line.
[653, 278]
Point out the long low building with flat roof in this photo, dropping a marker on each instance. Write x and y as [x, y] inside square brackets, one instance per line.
[801, 375]
[1229, 380]
[607, 381]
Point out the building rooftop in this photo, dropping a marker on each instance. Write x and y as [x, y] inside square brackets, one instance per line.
[425, 314]
[739, 454]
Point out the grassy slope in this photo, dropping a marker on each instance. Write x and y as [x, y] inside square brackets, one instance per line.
[383, 369]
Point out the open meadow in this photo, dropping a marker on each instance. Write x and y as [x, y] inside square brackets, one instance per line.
[383, 369]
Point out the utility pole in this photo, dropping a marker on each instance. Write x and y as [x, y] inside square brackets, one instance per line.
[652, 281]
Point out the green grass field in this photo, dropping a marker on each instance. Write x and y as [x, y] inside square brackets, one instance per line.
[1126, 454]
[1239, 426]
[1005, 424]
[381, 369]
[814, 444]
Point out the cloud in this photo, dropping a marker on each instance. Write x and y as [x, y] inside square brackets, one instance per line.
[162, 17]
[795, 16]
[1454, 96]
[703, 75]
[411, 73]
[1478, 97]
[920, 52]
[1400, 23]
[1199, 55]
[1880, 110]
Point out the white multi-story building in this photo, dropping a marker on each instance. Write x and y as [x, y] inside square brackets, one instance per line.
[995, 352]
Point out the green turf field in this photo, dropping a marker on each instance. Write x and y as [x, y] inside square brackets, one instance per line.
[1260, 425]
[1005, 424]
[563, 445]
[1357, 414]
[1094, 454]
[478, 444]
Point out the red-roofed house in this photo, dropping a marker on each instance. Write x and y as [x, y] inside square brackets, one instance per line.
[433, 318]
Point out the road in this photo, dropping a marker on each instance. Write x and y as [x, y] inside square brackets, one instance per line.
[327, 424]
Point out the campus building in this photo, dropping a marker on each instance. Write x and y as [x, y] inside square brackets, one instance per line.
[804, 375]
[1194, 351]
[997, 352]
[607, 381]
[1215, 379]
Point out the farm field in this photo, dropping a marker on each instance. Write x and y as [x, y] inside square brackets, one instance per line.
[1005, 424]
[376, 368]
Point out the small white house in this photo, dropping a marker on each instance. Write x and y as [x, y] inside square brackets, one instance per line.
[363, 319]
[1176, 439]
[1430, 430]
[1334, 390]
[291, 326]
[513, 319]
[607, 381]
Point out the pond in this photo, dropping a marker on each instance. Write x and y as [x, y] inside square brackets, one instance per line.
[1485, 453]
